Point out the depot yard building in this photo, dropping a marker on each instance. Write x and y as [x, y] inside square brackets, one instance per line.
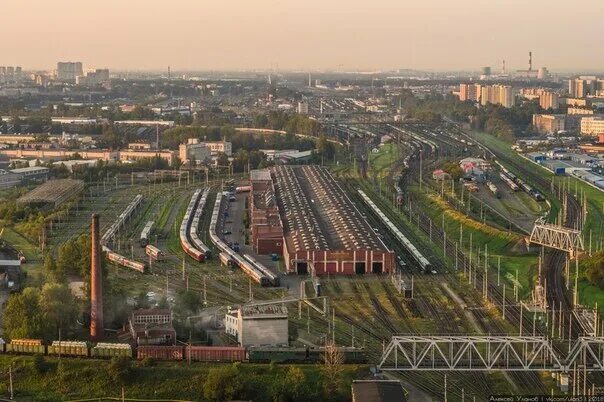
[265, 222]
[324, 232]
[53, 193]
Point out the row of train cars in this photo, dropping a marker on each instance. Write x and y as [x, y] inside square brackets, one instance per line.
[229, 256]
[190, 241]
[252, 354]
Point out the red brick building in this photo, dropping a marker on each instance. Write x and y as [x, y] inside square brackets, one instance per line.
[265, 222]
[324, 232]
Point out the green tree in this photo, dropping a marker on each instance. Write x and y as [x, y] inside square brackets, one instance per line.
[22, 317]
[224, 383]
[51, 271]
[58, 309]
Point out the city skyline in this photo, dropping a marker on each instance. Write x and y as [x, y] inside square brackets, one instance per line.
[311, 35]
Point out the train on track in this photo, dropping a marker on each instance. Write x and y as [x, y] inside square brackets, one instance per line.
[252, 354]
[536, 195]
[415, 253]
[154, 252]
[146, 233]
[189, 240]
[256, 271]
[109, 237]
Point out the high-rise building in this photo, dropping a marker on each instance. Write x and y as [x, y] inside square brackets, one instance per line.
[593, 125]
[585, 85]
[469, 92]
[497, 95]
[549, 123]
[549, 100]
[69, 71]
[92, 78]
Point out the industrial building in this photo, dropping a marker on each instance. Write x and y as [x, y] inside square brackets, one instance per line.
[265, 222]
[193, 150]
[152, 327]
[258, 325]
[53, 193]
[323, 230]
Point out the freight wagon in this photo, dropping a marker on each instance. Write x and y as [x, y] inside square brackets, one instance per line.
[68, 348]
[109, 350]
[160, 352]
[215, 353]
[27, 346]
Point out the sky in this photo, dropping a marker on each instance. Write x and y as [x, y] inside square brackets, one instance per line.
[366, 35]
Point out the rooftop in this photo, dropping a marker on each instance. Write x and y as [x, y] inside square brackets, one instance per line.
[317, 213]
[53, 192]
[260, 175]
[269, 309]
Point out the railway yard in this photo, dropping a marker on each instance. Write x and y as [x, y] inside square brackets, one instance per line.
[371, 247]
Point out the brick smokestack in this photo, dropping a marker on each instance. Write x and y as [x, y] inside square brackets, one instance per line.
[96, 283]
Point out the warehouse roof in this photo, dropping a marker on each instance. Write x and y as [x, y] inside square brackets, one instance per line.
[260, 175]
[317, 213]
[264, 310]
[53, 192]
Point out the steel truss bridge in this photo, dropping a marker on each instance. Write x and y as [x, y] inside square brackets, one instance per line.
[557, 237]
[488, 353]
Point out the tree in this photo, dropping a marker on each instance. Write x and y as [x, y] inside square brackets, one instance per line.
[110, 137]
[58, 309]
[22, 317]
[224, 383]
[332, 368]
[51, 271]
[292, 387]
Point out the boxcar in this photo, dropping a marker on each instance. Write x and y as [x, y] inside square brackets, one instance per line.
[160, 352]
[216, 353]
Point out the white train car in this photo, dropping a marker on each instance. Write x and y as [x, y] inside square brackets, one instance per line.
[421, 260]
[146, 233]
[109, 235]
[195, 241]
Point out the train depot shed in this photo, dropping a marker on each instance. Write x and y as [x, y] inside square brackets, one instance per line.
[53, 193]
[324, 232]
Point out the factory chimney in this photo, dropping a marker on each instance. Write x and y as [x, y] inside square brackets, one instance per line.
[96, 283]
[530, 61]
[503, 67]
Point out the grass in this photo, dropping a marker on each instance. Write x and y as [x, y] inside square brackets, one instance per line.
[381, 161]
[80, 378]
[594, 224]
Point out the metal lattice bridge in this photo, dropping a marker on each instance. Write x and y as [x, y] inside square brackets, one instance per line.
[486, 353]
[557, 237]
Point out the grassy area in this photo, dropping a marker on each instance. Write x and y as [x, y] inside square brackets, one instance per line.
[594, 224]
[381, 161]
[78, 378]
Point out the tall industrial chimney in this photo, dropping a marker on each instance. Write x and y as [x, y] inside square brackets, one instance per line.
[96, 283]
[530, 61]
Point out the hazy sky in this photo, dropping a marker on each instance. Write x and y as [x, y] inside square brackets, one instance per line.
[302, 34]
